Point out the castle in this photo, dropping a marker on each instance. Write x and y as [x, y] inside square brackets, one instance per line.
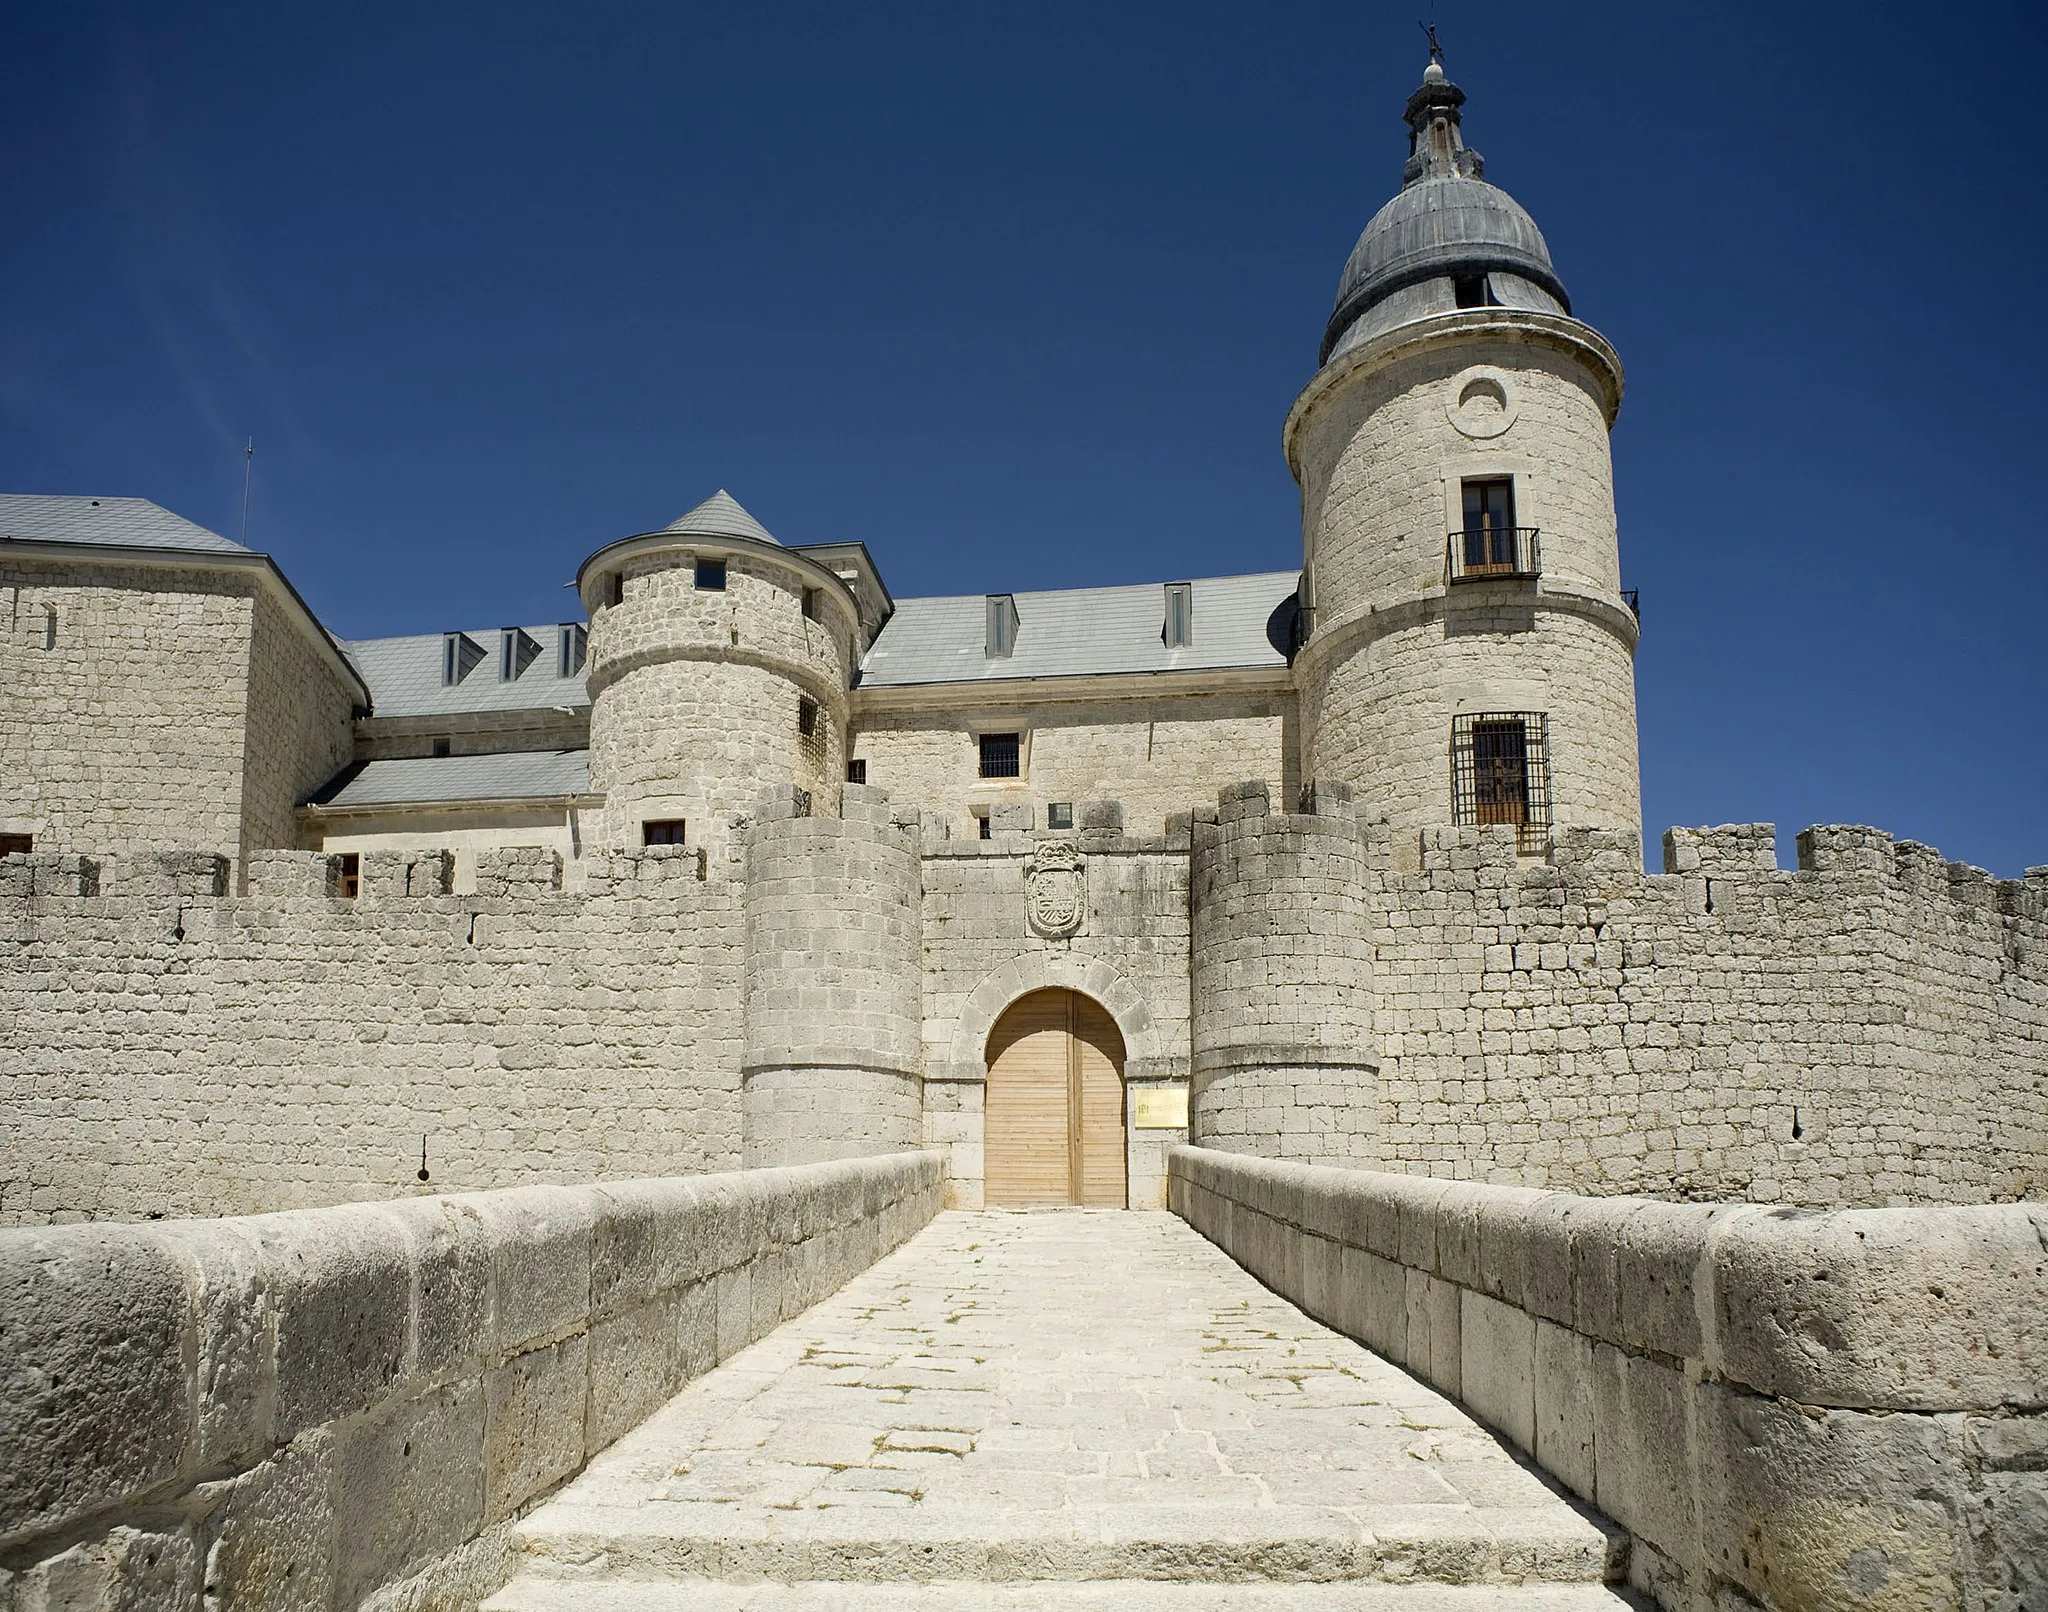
[760, 865]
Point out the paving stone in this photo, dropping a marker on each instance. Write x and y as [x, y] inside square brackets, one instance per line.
[1088, 1395]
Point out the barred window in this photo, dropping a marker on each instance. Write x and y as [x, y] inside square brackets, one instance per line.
[1001, 755]
[662, 831]
[1500, 772]
[857, 770]
[806, 717]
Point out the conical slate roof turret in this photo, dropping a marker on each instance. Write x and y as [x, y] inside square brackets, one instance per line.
[721, 515]
[1447, 224]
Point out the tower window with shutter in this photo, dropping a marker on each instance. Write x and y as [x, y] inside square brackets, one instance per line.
[1500, 773]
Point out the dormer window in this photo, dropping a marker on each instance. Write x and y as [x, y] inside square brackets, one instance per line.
[574, 645]
[1180, 615]
[460, 655]
[517, 650]
[1000, 635]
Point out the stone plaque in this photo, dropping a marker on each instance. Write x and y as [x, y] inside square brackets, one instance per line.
[1055, 889]
[1159, 1108]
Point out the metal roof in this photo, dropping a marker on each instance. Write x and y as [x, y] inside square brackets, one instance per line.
[450, 780]
[720, 515]
[115, 522]
[1077, 632]
[404, 675]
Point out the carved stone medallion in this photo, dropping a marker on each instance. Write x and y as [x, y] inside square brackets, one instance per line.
[1055, 889]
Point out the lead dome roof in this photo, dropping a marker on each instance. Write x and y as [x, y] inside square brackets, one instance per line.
[1447, 222]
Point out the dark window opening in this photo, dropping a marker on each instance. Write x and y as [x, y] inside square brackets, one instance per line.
[17, 844]
[982, 829]
[1002, 755]
[1489, 543]
[806, 717]
[348, 878]
[662, 831]
[440, 747]
[810, 604]
[711, 575]
[1059, 814]
[618, 589]
[1473, 291]
[857, 770]
[575, 645]
[1500, 773]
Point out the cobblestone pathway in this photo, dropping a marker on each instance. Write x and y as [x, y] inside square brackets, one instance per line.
[1015, 1404]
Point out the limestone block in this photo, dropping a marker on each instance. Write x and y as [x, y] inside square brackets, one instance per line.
[1598, 1299]
[122, 1570]
[1322, 1278]
[1927, 1309]
[1011, 817]
[233, 1329]
[1458, 1210]
[1386, 1307]
[534, 1423]
[1102, 815]
[733, 1301]
[409, 1486]
[696, 1336]
[626, 1245]
[1501, 1269]
[1836, 848]
[286, 874]
[340, 1283]
[1236, 802]
[1564, 1407]
[1435, 1351]
[1642, 1449]
[1829, 1510]
[172, 875]
[1497, 1371]
[429, 873]
[1659, 1265]
[451, 1261]
[1418, 1198]
[517, 870]
[730, 1223]
[2012, 1454]
[1527, 1257]
[540, 1239]
[94, 1394]
[270, 1531]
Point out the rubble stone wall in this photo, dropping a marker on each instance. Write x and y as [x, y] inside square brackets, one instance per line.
[1802, 1411]
[348, 1408]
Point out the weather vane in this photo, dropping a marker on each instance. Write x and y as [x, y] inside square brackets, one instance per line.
[1436, 51]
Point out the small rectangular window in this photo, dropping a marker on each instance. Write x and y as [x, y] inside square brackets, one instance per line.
[618, 594]
[440, 747]
[810, 604]
[517, 650]
[1500, 772]
[1060, 814]
[982, 831]
[1489, 543]
[1180, 615]
[711, 575]
[17, 844]
[348, 878]
[460, 655]
[1002, 755]
[806, 717]
[857, 770]
[574, 645]
[662, 831]
[1000, 633]
[1473, 291]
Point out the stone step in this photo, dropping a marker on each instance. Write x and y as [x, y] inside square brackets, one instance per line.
[533, 1594]
[1191, 1543]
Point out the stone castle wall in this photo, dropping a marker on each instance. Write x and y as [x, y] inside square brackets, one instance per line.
[1870, 1029]
[300, 728]
[122, 696]
[173, 1050]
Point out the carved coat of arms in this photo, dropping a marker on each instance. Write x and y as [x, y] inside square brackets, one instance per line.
[1055, 889]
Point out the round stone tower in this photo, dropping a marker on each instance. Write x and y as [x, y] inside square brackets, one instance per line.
[1285, 1065]
[834, 983]
[719, 667]
[1469, 654]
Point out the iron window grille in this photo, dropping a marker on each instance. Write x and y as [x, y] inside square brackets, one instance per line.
[710, 575]
[1002, 755]
[806, 717]
[857, 770]
[662, 831]
[1500, 773]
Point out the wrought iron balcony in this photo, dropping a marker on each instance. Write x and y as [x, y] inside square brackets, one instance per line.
[1494, 551]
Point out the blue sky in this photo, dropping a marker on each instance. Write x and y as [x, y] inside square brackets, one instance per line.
[1019, 297]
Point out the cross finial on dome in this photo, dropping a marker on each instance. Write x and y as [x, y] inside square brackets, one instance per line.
[1436, 51]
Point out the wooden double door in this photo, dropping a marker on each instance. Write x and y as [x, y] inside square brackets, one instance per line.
[1053, 1119]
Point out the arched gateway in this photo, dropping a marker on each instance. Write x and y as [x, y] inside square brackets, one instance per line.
[1054, 1112]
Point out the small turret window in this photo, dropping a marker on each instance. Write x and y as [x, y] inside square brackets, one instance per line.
[810, 604]
[711, 575]
[662, 831]
[857, 770]
[17, 844]
[806, 717]
[1474, 291]
[1500, 772]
